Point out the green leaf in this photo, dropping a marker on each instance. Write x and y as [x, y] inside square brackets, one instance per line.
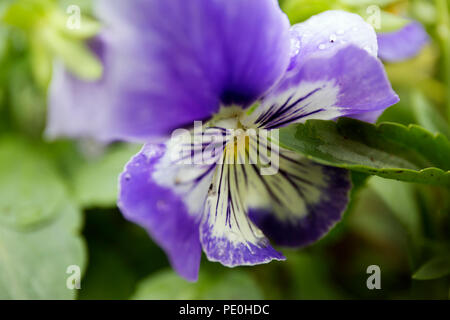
[30, 188]
[389, 150]
[435, 268]
[27, 102]
[372, 219]
[39, 225]
[33, 263]
[301, 10]
[400, 197]
[427, 115]
[95, 182]
[232, 285]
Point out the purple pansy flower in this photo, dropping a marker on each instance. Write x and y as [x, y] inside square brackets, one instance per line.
[402, 44]
[171, 62]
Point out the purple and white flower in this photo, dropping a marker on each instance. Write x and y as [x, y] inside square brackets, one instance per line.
[234, 64]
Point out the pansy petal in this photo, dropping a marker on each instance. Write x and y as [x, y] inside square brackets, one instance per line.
[81, 109]
[326, 33]
[402, 44]
[176, 62]
[227, 234]
[166, 197]
[350, 82]
[300, 203]
[370, 117]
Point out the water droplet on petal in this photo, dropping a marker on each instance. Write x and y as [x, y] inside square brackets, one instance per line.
[322, 46]
[332, 38]
[295, 46]
[127, 177]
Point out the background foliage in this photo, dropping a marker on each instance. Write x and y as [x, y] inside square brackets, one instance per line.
[57, 198]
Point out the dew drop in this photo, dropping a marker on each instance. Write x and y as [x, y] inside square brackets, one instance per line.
[127, 177]
[322, 46]
[295, 46]
[332, 38]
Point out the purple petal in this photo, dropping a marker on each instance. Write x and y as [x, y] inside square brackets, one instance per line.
[307, 201]
[370, 117]
[77, 108]
[227, 234]
[168, 63]
[402, 44]
[161, 211]
[328, 32]
[350, 82]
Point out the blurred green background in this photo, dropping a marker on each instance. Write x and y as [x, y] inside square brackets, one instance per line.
[57, 199]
